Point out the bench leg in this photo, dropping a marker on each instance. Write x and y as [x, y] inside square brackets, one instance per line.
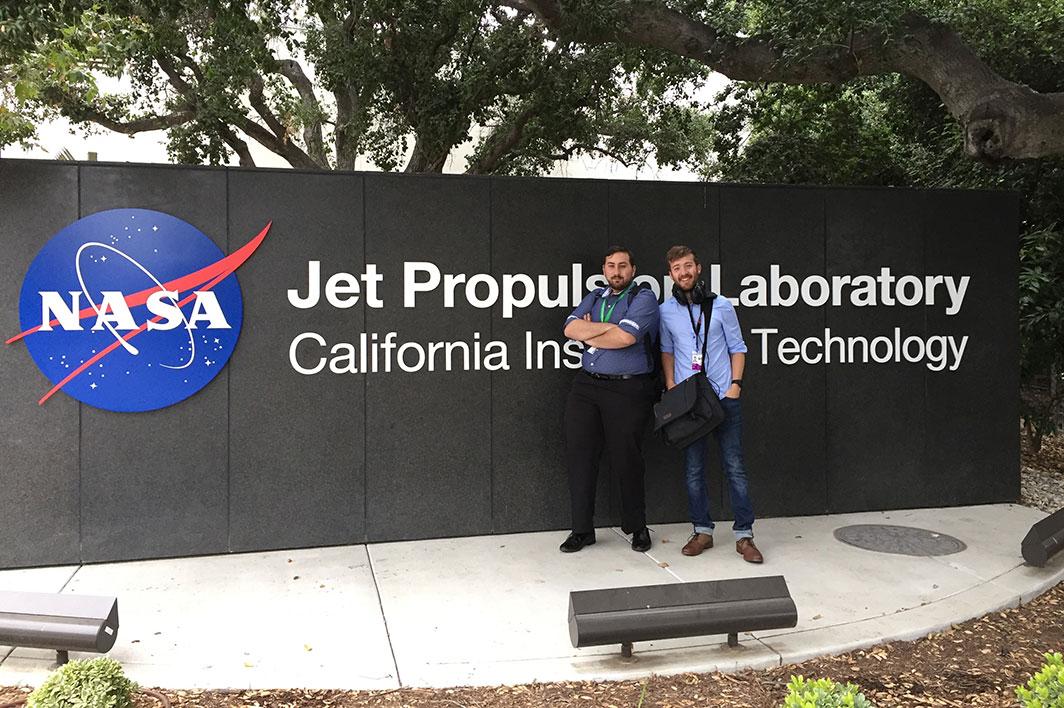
[61, 657]
[733, 639]
[626, 650]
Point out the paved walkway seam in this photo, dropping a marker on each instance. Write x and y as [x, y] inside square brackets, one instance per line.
[384, 617]
[779, 657]
[64, 587]
[667, 568]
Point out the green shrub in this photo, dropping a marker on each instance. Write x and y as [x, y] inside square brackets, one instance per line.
[1046, 688]
[97, 683]
[823, 693]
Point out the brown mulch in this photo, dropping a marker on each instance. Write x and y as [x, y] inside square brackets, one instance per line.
[977, 663]
[1048, 459]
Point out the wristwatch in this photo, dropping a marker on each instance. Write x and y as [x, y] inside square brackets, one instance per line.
[738, 382]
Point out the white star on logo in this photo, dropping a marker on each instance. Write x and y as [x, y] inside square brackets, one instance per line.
[93, 386]
[103, 259]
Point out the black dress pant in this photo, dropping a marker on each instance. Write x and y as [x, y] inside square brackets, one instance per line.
[610, 414]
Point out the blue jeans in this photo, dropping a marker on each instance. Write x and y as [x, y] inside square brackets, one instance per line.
[729, 440]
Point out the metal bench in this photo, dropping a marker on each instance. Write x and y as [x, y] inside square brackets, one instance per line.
[636, 614]
[64, 623]
[1044, 540]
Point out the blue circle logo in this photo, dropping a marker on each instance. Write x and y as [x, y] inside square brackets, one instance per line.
[131, 309]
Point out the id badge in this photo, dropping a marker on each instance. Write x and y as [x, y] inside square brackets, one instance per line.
[696, 361]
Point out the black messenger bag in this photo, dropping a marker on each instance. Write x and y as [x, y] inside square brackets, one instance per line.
[690, 410]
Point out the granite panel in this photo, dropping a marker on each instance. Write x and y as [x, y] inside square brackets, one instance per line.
[428, 432]
[876, 410]
[784, 425]
[971, 445]
[39, 512]
[549, 230]
[296, 455]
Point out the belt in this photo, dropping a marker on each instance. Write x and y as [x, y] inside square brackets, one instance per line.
[614, 377]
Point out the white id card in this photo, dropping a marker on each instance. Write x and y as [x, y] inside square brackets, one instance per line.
[696, 361]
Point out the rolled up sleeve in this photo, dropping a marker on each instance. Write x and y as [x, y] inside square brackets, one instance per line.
[733, 334]
[667, 346]
[642, 316]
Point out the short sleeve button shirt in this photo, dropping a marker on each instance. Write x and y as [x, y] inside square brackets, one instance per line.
[636, 314]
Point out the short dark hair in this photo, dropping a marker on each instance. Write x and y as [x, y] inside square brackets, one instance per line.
[619, 249]
[677, 252]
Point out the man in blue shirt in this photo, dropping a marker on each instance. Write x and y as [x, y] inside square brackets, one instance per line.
[682, 333]
[611, 398]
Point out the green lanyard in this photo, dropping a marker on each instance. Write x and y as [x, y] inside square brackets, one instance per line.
[604, 314]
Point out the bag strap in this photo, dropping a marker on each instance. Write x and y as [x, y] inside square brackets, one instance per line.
[705, 342]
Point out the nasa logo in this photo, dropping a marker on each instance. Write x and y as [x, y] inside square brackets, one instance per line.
[131, 309]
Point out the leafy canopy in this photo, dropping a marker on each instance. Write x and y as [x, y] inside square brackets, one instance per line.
[322, 81]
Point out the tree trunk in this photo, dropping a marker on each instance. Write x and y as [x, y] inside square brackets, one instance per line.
[427, 158]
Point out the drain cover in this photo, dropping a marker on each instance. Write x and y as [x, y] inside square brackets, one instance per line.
[904, 540]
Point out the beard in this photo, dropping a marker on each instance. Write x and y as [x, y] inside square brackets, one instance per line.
[688, 283]
[619, 282]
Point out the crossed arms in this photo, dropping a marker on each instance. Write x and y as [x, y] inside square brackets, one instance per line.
[604, 335]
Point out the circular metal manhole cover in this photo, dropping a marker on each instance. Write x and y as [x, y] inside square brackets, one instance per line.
[904, 540]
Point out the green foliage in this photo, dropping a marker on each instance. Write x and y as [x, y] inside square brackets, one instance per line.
[95, 683]
[387, 74]
[51, 54]
[1041, 328]
[14, 127]
[1046, 688]
[823, 693]
[391, 74]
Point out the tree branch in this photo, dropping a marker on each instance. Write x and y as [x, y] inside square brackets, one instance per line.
[346, 154]
[312, 132]
[279, 143]
[1001, 119]
[174, 76]
[501, 142]
[426, 157]
[285, 148]
[568, 152]
[258, 102]
[346, 95]
[137, 125]
[239, 146]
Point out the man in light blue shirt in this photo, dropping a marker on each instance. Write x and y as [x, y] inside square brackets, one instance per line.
[682, 333]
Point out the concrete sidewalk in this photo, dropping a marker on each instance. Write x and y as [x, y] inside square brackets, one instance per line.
[493, 609]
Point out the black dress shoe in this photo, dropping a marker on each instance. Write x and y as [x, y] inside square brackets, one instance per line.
[576, 541]
[641, 540]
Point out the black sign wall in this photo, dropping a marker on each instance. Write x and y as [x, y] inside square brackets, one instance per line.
[912, 295]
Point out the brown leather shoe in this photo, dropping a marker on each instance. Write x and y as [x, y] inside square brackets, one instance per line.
[698, 543]
[746, 548]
